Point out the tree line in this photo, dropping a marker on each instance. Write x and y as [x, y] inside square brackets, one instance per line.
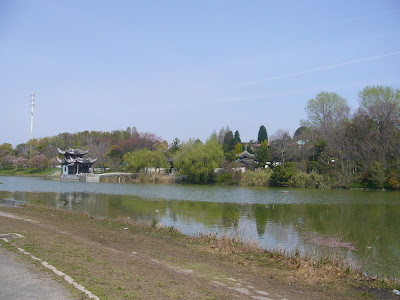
[334, 146]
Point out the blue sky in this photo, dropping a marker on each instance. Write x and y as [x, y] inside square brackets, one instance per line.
[186, 68]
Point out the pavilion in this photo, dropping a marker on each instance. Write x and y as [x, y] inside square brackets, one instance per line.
[74, 163]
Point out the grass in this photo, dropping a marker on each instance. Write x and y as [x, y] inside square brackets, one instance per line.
[29, 172]
[313, 268]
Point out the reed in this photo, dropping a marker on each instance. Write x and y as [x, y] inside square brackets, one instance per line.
[256, 178]
[156, 178]
[308, 180]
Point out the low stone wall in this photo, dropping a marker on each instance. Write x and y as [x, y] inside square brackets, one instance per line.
[69, 177]
[90, 177]
[119, 177]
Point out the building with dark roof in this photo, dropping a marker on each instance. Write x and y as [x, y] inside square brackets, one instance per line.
[246, 158]
[74, 163]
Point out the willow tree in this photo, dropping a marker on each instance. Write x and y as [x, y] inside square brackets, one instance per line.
[138, 160]
[197, 161]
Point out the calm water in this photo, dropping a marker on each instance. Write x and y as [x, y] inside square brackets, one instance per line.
[363, 227]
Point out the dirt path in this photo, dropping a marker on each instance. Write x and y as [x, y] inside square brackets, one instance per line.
[117, 260]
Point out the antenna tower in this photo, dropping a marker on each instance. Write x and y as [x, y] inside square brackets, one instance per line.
[32, 105]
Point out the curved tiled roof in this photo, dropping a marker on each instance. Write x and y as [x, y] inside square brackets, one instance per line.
[75, 152]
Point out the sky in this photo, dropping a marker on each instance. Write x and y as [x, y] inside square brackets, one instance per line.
[182, 69]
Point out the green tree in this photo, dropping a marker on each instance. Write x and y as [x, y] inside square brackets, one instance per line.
[197, 161]
[229, 142]
[138, 160]
[262, 154]
[6, 149]
[237, 137]
[281, 176]
[238, 148]
[262, 134]
[249, 149]
[230, 156]
[175, 146]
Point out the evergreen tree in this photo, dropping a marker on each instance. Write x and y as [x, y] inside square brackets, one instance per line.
[262, 154]
[175, 146]
[262, 134]
[237, 137]
[229, 142]
[248, 148]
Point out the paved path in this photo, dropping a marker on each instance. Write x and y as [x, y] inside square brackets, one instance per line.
[20, 281]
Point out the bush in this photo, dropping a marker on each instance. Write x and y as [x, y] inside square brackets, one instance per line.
[374, 177]
[256, 178]
[281, 176]
[393, 180]
[226, 178]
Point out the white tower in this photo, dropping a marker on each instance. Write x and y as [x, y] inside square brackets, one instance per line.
[32, 105]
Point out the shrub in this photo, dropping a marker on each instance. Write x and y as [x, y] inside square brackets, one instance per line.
[393, 180]
[281, 176]
[374, 177]
[226, 178]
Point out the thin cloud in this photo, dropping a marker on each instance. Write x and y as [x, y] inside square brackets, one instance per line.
[314, 89]
[330, 67]
[371, 16]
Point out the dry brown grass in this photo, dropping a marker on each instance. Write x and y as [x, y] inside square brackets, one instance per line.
[140, 178]
[156, 178]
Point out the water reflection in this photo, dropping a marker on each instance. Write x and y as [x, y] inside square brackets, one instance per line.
[364, 234]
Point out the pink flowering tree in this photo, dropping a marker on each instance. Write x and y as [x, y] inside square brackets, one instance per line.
[38, 161]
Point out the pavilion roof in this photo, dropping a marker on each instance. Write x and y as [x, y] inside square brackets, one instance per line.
[71, 161]
[246, 154]
[75, 152]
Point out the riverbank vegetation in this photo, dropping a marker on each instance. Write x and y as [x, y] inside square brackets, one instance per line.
[118, 258]
[334, 147]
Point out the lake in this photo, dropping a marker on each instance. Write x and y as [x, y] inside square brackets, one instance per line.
[361, 227]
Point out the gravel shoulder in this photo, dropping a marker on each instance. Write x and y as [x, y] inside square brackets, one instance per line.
[21, 280]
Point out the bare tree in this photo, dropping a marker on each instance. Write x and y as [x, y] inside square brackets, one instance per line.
[325, 111]
[381, 105]
[280, 143]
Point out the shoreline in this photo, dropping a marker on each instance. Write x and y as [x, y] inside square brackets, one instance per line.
[171, 249]
[133, 178]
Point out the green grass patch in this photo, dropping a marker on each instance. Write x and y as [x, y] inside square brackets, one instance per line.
[29, 172]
